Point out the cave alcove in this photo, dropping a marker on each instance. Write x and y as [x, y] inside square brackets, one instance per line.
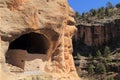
[31, 43]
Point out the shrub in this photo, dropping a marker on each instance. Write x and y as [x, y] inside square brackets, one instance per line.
[90, 56]
[98, 54]
[109, 5]
[107, 11]
[101, 12]
[118, 5]
[100, 69]
[91, 69]
[106, 51]
[93, 12]
[83, 15]
[111, 78]
[77, 15]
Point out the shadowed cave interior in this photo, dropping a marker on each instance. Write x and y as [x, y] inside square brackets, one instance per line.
[35, 44]
[32, 42]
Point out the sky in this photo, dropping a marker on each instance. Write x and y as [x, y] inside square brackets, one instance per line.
[85, 5]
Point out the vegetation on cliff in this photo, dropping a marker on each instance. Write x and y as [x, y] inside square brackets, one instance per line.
[98, 16]
[98, 61]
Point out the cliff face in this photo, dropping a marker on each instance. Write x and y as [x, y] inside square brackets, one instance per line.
[94, 36]
[49, 23]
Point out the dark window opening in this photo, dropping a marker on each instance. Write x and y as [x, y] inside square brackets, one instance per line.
[22, 60]
[32, 42]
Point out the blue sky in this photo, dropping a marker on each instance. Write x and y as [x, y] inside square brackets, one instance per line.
[86, 5]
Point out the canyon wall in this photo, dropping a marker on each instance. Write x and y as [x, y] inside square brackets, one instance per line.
[53, 20]
[93, 36]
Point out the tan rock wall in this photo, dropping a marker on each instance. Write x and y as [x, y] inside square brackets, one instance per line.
[52, 18]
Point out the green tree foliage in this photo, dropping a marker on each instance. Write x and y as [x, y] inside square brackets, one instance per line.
[90, 56]
[98, 54]
[109, 5]
[101, 12]
[111, 78]
[93, 12]
[117, 57]
[91, 69]
[100, 69]
[77, 15]
[107, 11]
[87, 14]
[83, 15]
[118, 5]
[107, 51]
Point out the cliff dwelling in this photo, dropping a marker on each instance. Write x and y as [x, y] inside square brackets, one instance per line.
[28, 52]
[36, 36]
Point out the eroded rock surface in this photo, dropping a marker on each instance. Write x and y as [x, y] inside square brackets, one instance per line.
[53, 20]
[92, 37]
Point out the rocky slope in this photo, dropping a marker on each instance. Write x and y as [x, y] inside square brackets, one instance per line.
[53, 19]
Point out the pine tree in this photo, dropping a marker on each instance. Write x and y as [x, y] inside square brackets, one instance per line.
[77, 16]
[101, 12]
[106, 51]
[118, 5]
[100, 69]
[93, 12]
[109, 5]
[107, 11]
[98, 54]
[91, 69]
[83, 15]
